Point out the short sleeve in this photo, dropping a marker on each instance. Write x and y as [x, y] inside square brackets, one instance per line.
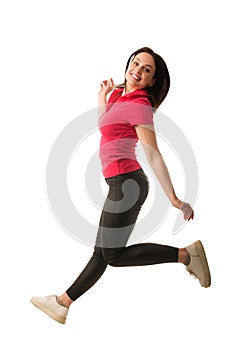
[140, 112]
[132, 108]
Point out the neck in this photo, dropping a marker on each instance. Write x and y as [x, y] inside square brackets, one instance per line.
[128, 90]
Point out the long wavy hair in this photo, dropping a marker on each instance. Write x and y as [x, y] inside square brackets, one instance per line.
[159, 90]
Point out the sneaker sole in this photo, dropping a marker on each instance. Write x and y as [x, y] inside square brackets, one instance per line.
[47, 311]
[204, 262]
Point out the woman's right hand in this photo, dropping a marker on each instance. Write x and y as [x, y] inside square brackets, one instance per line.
[106, 86]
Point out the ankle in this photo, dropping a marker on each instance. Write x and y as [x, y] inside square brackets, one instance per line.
[64, 300]
[183, 256]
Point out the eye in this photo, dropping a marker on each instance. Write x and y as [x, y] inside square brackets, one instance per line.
[135, 63]
[147, 70]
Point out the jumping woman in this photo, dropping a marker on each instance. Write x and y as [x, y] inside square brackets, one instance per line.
[124, 118]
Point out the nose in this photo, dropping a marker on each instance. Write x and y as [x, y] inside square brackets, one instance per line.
[139, 69]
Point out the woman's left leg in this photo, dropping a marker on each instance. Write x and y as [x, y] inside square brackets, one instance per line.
[119, 218]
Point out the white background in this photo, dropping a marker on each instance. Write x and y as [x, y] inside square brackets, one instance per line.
[53, 56]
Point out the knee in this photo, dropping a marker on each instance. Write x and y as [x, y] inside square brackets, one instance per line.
[112, 256]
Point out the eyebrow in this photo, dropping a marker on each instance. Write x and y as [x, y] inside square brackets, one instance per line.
[136, 58]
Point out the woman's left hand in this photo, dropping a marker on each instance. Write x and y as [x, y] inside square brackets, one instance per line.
[187, 211]
[184, 207]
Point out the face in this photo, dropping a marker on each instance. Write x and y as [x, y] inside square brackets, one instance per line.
[140, 72]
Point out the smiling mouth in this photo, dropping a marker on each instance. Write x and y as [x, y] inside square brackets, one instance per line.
[135, 77]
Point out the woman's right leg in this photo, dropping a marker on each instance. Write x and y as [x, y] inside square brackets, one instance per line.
[96, 267]
[87, 278]
[57, 306]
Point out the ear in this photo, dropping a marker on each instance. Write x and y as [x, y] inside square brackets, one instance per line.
[152, 82]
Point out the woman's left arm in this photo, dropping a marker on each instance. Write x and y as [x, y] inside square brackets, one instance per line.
[147, 137]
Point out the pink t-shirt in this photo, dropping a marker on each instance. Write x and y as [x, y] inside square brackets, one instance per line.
[118, 135]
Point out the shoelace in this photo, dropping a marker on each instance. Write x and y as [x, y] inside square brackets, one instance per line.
[192, 273]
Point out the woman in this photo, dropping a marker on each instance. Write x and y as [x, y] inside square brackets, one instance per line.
[126, 118]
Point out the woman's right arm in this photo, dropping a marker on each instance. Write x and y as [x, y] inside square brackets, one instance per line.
[105, 87]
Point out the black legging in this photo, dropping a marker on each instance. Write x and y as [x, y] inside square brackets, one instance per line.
[127, 193]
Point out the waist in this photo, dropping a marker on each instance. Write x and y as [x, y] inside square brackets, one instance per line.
[128, 175]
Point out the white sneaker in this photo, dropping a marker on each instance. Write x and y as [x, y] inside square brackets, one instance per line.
[51, 307]
[198, 265]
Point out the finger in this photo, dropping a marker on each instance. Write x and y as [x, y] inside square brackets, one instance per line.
[112, 82]
[191, 217]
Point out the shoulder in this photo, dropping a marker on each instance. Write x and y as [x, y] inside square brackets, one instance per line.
[115, 94]
[139, 96]
[140, 109]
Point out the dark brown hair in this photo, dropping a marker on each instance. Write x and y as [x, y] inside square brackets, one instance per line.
[159, 90]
